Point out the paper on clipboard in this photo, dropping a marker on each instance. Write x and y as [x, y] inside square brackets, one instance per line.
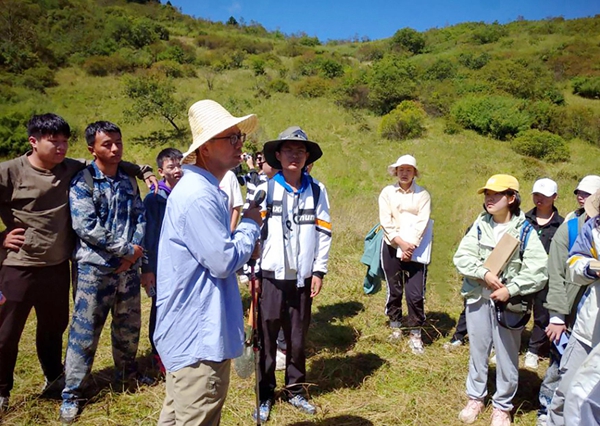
[422, 253]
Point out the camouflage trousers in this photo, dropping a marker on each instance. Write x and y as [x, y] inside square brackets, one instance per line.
[98, 294]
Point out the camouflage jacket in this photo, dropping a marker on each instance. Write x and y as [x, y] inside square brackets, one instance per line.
[108, 218]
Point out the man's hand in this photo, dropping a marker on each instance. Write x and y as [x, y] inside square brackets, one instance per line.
[152, 181]
[250, 162]
[124, 266]
[315, 286]
[148, 280]
[500, 295]
[554, 331]
[492, 281]
[14, 240]
[253, 213]
[138, 252]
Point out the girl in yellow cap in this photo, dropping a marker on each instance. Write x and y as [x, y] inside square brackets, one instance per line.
[484, 292]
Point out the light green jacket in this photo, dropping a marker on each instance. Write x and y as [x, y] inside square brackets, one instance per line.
[522, 277]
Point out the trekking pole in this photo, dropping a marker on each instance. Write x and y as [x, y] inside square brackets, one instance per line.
[255, 339]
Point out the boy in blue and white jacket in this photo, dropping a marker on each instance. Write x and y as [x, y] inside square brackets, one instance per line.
[296, 239]
[586, 330]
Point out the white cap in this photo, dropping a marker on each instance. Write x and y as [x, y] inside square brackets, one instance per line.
[545, 187]
[589, 184]
[405, 160]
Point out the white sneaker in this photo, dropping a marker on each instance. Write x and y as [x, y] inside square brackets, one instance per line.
[396, 334]
[280, 361]
[531, 360]
[469, 414]
[415, 343]
[244, 280]
[454, 344]
[542, 420]
[500, 418]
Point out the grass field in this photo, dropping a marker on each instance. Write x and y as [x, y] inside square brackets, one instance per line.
[357, 377]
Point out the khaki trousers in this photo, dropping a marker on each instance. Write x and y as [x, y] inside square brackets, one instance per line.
[195, 394]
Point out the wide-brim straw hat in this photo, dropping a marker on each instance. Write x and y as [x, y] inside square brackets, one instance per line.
[592, 204]
[208, 119]
[293, 133]
[404, 160]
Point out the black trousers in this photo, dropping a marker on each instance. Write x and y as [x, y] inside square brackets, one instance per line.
[283, 305]
[152, 325]
[409, 277]
[539, 343]
[46, 289]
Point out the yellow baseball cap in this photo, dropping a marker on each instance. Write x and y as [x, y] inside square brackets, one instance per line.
[499, 183]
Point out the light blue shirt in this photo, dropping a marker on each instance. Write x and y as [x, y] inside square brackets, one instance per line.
[199, 308]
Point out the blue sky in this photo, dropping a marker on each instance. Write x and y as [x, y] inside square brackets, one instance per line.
[379, 18]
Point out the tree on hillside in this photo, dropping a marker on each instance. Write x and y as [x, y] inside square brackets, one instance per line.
[154, 96]
[408, 39]
[391, 81]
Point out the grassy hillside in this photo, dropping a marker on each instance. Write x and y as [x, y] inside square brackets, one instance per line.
[356, 376]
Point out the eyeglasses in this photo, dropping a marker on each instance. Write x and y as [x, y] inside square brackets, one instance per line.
[293, 152]
[234, 139]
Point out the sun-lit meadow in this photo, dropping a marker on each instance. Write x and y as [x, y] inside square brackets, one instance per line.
[356, 376]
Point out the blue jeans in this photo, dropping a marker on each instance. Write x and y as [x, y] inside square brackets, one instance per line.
[549, 384]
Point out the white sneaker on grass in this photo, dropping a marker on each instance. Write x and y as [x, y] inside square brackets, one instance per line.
[415, 343]
[531, 361]
[452, 345]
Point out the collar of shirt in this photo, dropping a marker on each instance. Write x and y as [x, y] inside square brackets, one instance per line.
[410, 190]
[192, 168]
[279, 178]
[99, 174]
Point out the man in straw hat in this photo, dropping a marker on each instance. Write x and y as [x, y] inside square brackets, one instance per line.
[297, 239]
[199, 326]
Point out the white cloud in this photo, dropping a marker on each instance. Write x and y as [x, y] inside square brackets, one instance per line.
[236, 7]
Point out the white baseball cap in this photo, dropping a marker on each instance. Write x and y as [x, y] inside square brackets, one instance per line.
[404, 160]
[589, 184]
[545, 186]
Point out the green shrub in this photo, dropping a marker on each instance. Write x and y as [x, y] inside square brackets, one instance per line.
[451, 127]
[169, 68]
[391, 81]
[312, 87]
[13, 134]
[577, 121]
[331, 68]
[542, 145]
[38, 78]
[369, 52]
[279, 85]
[437, 97]
[489, 33]
[101, 66]
[587, 87]
[441, 69]
[496, 116]
[473, 62]
[404, 122]
[257, 65]
[543, 114]
[408, 39]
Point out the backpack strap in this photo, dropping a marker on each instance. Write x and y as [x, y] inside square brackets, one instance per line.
[89, 181]
[524, 238]
[573, 226]
[316, 190]
[265, 228]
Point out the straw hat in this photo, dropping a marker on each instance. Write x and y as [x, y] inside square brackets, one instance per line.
[208, 119]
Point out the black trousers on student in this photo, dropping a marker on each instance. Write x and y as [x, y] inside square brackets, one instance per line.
[402, 277]
[46, 289]
[539, 343]
[282, 304]
[461, 326]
